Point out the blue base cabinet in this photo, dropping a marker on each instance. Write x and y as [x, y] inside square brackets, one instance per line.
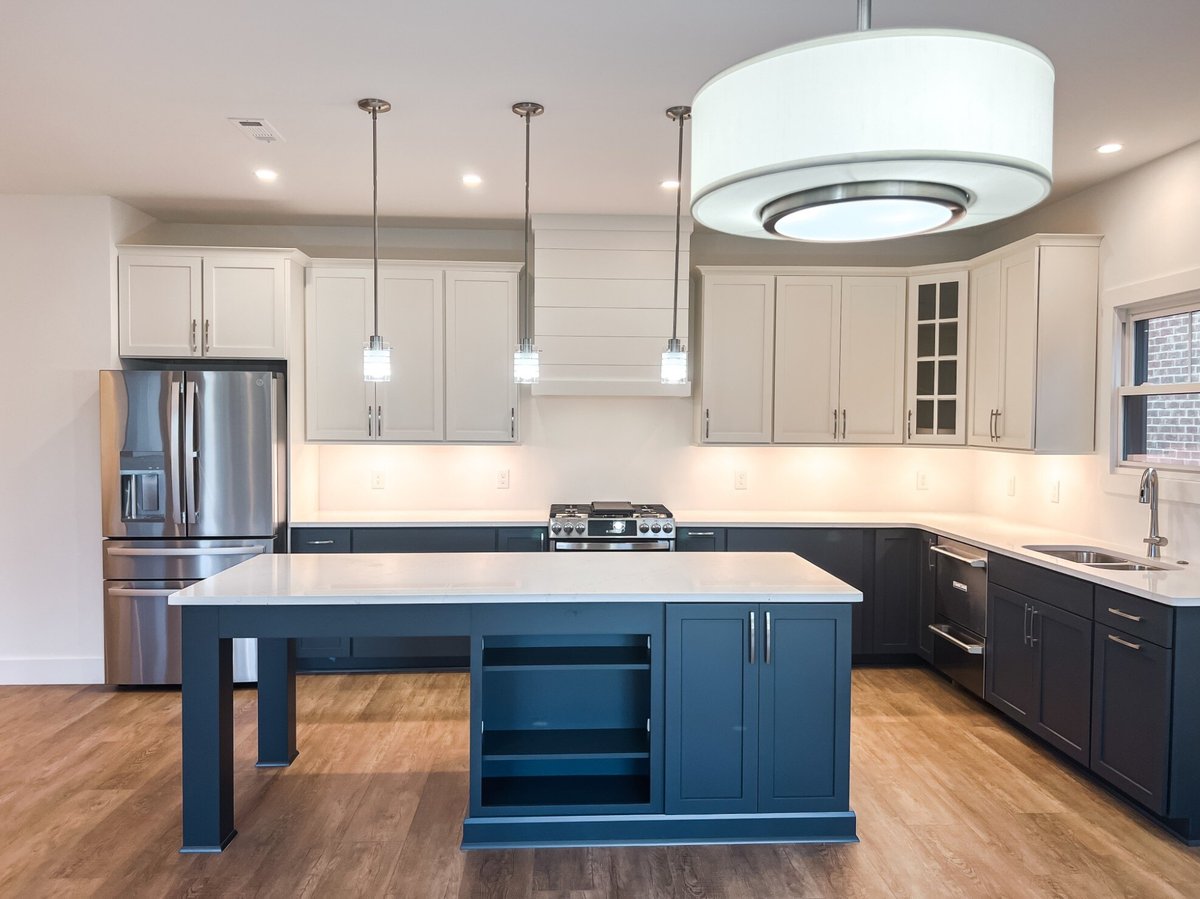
[757, 708]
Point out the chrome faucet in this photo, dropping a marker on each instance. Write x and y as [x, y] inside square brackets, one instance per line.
[1148, 493]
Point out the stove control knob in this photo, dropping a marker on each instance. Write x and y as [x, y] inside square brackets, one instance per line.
[656, 527]
[643, 527]
[579, 529]
[556, 528]
[668, 527]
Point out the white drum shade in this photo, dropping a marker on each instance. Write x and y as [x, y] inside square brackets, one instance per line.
[970, 111]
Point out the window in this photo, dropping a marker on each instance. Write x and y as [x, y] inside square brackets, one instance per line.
[1160, 392]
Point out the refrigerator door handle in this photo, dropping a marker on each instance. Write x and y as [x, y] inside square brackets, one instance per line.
[173, 441]
[191, 454]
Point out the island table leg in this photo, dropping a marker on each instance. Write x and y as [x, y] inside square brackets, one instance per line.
[207, 733]
[276, 702]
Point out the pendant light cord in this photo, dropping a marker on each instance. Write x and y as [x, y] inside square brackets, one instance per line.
[864, 15]
[375, 212]
[526, 306]
[681, 114]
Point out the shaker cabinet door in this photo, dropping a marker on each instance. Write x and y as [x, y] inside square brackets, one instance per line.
[159, 306]
[871, 385]
[481, 335]
[338, 404]
[1011, 680]
[411, 318]
[808, 314]
[245, 307]
[737, 358]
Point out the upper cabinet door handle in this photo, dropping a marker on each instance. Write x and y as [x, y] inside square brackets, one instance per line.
[843, 424]
[910, 424]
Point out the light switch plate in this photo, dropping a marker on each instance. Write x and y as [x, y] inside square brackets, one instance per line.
[1055, 491]
[922, 481]
[739, 479]
[1012, 485]
[376, 480]
[502, 479]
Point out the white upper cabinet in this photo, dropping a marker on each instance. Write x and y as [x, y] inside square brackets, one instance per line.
[229, 305]
[1033, 346]
[808, 315]
[936, 404]
[452, 335]
[839, 359]
[481, 335]
[411, 319]
[737, 358]
[159, 308]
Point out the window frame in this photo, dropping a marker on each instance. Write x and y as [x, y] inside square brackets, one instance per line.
[1128, 319]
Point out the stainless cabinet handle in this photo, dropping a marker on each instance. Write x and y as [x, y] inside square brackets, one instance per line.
[1033, 638]
[207, 335]
[975, 649]
[992, 425]
[370, 422]
[767, 638]
[318, 542]
[932, 558]
[706, 423]
[753, 638]
[1125, 643]
[701, 534]
[999, 412]
[835, 412]
[1025, 626]
[910, 424]
[1124, 615]
[843, 424]
[379, 421]
[512, 422]
[973, 562]
[192, 341]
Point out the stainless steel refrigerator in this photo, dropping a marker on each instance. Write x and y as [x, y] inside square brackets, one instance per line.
[193, 481]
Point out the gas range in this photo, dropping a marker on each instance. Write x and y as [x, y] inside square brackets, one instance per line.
[611, 526]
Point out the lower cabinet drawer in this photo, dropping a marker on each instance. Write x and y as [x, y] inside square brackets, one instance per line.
[1144, 618]
[320, 540]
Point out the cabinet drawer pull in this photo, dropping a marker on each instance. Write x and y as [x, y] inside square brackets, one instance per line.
[767, 638]
[975, 649]
[835, 412]
[1125, 643]
[319, 542]
[843, 424]
[753, 638]
[910, 424]
[701, 534]
[1124, 615]
[706, 421]
[207, 335]
[192, 342]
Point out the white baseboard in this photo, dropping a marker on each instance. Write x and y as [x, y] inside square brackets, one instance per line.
[86, 670]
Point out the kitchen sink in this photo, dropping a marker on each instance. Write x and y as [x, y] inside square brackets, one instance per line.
[1094, 557]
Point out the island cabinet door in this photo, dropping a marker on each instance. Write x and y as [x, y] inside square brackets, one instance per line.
[804, 708]
[711, 708]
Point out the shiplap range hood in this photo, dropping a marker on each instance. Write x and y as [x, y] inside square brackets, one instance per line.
[602, 302]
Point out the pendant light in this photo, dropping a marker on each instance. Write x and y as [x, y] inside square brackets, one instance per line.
[674, 360]
[526, 365]
[377, 355]
[874, 134]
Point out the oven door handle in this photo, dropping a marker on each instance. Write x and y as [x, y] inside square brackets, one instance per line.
[975, 649]
[612, 545]
[975, 562]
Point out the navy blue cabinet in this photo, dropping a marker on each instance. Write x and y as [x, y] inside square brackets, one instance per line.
[425, 540]
[897, 595]
[1131, 715]
[928, 565]
[699, 540]
[521, 540]
[757, 708]
[1039, 668]
[320, 540]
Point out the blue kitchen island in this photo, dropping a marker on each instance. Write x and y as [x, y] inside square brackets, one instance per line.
[616, 698]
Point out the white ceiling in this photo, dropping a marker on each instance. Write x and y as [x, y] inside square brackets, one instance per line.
[131, 98]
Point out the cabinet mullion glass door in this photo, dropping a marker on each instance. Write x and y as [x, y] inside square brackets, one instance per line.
[936, 359]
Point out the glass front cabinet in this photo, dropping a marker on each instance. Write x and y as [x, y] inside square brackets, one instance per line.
[935, 408]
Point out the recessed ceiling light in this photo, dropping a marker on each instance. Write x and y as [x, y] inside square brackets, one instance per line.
[670, 184]
[472, 180]
[1110, 148]
[266, 174]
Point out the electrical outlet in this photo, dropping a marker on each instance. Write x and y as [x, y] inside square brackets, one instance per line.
[502, 479]
[1055, 491]
[922, 481]
[739, 479]
[1012, 485]
[376, 480]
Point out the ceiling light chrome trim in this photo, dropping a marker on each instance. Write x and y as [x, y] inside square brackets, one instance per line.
[944, 195]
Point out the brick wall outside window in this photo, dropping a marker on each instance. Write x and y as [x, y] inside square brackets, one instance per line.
[1173, 357]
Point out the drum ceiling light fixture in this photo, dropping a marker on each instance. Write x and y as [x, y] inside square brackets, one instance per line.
[873, 135]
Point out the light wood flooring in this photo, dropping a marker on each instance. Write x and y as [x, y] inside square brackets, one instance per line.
[951, 801]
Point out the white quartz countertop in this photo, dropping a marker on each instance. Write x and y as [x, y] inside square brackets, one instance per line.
[1179, 585]
[448, 578]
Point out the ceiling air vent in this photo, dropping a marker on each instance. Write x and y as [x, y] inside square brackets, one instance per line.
[257, 129]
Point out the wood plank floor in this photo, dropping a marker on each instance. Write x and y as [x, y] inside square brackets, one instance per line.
[952, 801]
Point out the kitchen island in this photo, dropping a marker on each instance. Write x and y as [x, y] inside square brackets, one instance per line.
[615, 698]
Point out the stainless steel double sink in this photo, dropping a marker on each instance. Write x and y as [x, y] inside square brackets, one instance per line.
[1094, 557]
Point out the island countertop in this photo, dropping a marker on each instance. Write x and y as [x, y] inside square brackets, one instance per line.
[444, 578]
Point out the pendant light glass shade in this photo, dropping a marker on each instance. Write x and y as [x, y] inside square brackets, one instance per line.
[674, 363]
[966, 114]
[377, 360]
[527, 357]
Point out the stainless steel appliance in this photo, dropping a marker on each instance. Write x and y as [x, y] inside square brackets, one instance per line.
[960, 613]
[611, 526]
[193, 480]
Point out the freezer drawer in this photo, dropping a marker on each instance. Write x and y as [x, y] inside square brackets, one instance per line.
[177, 559]
[142, 636]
